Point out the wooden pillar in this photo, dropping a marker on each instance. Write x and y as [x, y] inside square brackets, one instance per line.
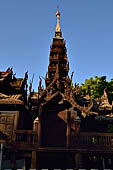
[12, 160]
[1, 155]
[39, 126]
[68, 129]
[34, 160]
[78, 161]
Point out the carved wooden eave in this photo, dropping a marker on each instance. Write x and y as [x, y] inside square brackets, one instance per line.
[6, 76]
[11, 101]
[58, 44]
[14, 96]
[9, 80]
[12, 89]
[42, 92]
[56, 80]
[3, 96]
[85, 111]
[104, 107]
[17, 83]
[53, 96]
[3, 76]
[68, 96]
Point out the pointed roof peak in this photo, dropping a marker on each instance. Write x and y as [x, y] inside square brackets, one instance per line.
[57, 13]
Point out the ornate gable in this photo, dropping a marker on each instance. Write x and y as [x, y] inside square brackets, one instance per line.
[12, 90]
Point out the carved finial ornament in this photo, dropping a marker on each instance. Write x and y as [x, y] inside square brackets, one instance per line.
[58, 29]
[58, 32]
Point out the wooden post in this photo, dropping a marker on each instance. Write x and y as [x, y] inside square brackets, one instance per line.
[78, 161]
[34, 160]
[39, 126]
[1, 155]
[68, 129]
[12, 160]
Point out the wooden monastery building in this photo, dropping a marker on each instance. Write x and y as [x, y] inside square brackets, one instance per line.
[54, 127]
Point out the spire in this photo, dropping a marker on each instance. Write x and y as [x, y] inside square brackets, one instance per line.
[58, 29]
[58, 32]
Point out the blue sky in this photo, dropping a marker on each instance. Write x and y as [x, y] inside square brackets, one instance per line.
[27, 28]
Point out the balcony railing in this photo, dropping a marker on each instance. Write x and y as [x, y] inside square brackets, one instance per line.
[80, 139]
[92, 139]
[26, 136]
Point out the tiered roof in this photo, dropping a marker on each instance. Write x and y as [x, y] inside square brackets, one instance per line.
[59, 84]
[12, 89]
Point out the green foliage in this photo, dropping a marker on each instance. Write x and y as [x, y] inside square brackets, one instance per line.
[95, 87]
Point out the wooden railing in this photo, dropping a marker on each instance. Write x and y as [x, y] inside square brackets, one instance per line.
[92, 139]
[81, 139]
[25, 136]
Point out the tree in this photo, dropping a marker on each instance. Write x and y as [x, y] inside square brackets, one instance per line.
[95, 87]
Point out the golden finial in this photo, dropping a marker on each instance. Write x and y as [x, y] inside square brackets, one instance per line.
[58, 29]
[57, 8]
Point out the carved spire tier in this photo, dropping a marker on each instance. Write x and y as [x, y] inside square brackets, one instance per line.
[58, 55]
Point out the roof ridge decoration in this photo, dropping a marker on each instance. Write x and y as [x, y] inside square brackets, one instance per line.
[85, 111]
[104, 102]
